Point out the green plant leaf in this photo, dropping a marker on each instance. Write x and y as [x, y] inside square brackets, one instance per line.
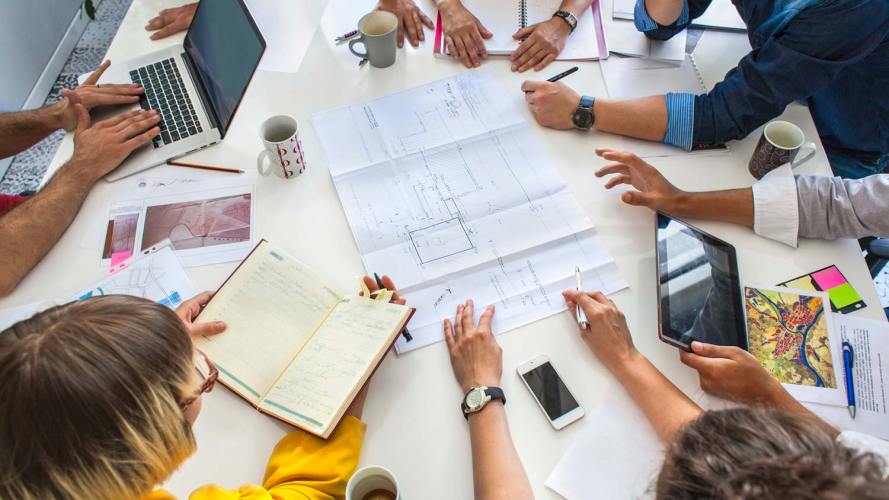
[89, 8]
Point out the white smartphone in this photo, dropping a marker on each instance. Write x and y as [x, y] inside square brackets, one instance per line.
[552, 395]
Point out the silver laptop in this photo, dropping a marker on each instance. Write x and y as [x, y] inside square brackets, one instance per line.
[195, 87]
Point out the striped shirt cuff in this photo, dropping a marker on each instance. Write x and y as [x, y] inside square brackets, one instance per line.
[680, 119]
[775, 206]
[644, 22]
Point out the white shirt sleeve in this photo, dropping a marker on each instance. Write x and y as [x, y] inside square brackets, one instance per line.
[866, 443]
[775, 206]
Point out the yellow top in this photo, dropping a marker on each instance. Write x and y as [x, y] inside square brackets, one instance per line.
[302, 467]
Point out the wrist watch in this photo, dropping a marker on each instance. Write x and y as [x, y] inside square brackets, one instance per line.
[478, 397]
[583, 116]
[568, 17]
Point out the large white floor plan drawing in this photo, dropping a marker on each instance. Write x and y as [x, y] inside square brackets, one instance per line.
[444, 185]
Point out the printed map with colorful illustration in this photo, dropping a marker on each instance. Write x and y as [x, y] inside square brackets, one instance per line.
[787, 333]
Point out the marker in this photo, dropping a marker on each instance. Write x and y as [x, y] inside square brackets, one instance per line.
[848, 362]
[562, 75]
[581, 317]
[404, 333]
[343, 38]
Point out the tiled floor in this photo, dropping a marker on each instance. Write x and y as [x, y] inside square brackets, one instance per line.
[28, 167]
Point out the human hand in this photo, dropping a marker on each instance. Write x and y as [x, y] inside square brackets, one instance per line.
[654, 190]
[388, 283]
[476, 358]
[732, 373]
[171, 21]
[552, 104]
[607, 335]
[101, 148]
[464, 33]
[189, 310]
[410, 19]
[542, 43]
[91, 94]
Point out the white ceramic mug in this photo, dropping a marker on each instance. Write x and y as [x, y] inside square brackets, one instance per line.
[373, 479]
[280, 135]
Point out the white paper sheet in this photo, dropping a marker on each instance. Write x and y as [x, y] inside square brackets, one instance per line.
[448, 191]
[616, 454]
[288, 27]
[207, 222]
[721, 14]
[870, 343]
[156, 275]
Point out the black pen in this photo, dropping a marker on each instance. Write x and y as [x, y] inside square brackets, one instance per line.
[562, 74]
[558, 77]
[405, 333]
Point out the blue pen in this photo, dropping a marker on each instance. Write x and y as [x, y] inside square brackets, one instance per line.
[848, 362]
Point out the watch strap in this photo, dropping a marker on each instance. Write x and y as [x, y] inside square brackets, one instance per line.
[496, 393]
[491, 394]
[587, 102]
[568, 17]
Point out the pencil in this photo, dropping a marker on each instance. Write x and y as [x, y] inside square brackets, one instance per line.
[405, 333]
[203, 167]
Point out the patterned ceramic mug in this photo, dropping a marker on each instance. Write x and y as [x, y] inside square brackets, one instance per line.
[280, 136]
[780, 143]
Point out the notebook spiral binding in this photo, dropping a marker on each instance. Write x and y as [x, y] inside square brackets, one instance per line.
[523, 13]
[694, 64]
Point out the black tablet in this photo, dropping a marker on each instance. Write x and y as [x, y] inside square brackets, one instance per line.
[699, 293]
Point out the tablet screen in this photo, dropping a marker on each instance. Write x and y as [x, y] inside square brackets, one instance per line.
[699, 292]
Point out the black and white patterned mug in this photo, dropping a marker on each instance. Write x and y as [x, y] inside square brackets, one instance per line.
[780, 143]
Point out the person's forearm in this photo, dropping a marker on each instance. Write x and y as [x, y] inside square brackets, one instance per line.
[444, 4]
[29, 231]
[780, 399]
[643, 118]
[664, 12]
[732, 205]
[496, 469]
[666, 407]
[22, 129]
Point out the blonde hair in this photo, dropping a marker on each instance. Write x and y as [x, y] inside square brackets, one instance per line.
[89, 400]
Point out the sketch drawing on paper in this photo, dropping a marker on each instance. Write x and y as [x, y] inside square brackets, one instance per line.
[199, 223]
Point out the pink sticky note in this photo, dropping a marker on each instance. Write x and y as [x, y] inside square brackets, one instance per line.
[829, 278]
[117, 258]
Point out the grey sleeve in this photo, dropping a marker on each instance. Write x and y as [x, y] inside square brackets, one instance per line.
[831, 207]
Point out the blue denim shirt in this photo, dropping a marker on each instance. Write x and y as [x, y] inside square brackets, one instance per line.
[832, 53]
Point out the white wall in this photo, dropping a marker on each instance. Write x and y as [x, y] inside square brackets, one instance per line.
[30, 32]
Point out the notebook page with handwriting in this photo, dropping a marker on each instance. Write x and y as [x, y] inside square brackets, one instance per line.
[272, 305]
[326, 375]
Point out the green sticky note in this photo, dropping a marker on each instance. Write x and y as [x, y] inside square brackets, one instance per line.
[843, 295]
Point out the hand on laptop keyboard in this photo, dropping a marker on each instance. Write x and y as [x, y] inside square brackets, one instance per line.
[92, 94]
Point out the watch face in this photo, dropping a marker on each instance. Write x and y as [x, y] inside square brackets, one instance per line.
[582, 119]
[474, 398]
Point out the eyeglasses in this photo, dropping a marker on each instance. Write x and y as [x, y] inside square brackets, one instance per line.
[208, 372]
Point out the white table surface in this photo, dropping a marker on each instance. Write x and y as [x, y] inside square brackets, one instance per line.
[415, 427]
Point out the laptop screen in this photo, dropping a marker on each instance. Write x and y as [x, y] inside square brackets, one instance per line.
[225, 47]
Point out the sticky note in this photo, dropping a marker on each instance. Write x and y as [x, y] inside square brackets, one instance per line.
[843, 295]
[829, 278]
[118, 257]
[801, 283]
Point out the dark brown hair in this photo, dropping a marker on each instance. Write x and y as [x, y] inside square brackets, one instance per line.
[766, 454]
[89, 400]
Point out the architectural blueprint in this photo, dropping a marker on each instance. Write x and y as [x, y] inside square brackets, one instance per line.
[448, 191]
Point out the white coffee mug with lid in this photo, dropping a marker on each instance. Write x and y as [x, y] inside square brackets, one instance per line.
[280, 136]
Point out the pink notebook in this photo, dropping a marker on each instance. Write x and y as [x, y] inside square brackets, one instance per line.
[587, 43]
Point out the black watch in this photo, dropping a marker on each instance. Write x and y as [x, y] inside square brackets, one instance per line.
[583, 116]
[568, 17]
[478, 397]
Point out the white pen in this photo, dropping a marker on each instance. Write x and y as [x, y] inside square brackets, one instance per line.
[581, 317]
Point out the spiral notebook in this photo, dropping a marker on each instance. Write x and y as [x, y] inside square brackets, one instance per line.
[587, 43]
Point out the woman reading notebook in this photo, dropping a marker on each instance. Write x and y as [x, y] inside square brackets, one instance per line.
[98, 397]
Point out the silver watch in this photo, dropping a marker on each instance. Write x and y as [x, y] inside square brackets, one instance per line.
[568, 17]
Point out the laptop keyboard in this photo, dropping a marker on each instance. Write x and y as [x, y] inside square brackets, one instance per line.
[165, 93]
